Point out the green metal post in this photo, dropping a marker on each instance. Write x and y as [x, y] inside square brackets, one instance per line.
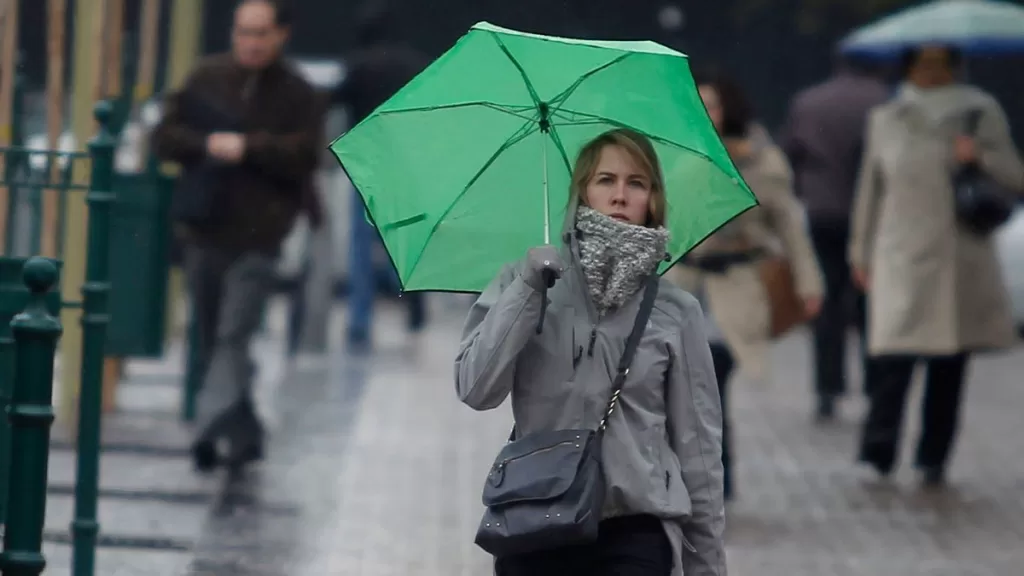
[85, 528]
[13, 298]
[36, 331]
[10, 304]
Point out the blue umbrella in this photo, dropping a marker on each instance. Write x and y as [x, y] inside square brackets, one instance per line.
[974, 26]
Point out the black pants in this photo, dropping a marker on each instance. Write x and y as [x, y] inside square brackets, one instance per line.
[724, 364]
[229, 293]
[627, 546]
[841, 298]
[940, 416]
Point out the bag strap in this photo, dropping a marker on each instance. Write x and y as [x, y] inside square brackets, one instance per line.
[632, 343]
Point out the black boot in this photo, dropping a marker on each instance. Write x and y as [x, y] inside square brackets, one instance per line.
[204, 456]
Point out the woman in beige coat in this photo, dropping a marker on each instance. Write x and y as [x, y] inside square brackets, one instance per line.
[936, 292]
[723, 269]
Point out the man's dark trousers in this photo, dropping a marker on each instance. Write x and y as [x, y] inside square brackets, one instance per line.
[843, 303]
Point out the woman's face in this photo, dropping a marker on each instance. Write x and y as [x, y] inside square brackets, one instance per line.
[713, 103]
[932, 68]
[619, 188]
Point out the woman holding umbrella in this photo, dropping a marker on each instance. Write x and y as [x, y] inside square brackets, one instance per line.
[660, 456]
[597, 160]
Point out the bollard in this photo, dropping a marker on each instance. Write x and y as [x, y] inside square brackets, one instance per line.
[95, 318]
[11, 289]
[36, 331]
[14, 296]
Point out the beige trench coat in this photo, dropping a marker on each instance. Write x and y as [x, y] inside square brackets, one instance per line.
[935, 289]
[737, 299]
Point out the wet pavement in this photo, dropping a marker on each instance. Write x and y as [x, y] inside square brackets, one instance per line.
[375, 469]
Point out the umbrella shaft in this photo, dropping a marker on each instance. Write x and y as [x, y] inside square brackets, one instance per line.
[547, 204]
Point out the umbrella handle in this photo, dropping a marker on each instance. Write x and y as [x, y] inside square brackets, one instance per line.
[549, 281]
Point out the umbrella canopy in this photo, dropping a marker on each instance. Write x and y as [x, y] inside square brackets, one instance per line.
[469, 165]
[975, 26]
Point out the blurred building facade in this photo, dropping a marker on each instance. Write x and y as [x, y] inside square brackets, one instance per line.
[774, 47]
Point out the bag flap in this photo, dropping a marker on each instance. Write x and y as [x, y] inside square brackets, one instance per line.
[537, 467]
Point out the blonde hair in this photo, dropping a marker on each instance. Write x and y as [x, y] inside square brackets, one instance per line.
[641, 151]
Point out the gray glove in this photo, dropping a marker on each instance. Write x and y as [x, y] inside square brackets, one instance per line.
[538, 260]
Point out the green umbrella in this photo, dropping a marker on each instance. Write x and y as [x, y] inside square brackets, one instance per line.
[468, 165]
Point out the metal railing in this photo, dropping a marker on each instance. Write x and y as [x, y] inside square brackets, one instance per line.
[37, 198]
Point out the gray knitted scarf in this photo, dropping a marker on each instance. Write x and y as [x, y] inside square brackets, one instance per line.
[616, 257]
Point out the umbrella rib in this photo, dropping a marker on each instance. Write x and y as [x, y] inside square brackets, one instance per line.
[561, 97]
[569, 91]
[519, 67]
[561, 149]
[511, 110]
[583, 123]
[536, 98]
[520, 135]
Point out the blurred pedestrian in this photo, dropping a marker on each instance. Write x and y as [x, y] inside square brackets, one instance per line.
[381, 65]
[246, 129]
[936, 293]
[725, 268]
[823, 138]
[662, 512]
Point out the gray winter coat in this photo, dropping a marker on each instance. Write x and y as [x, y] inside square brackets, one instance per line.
[662, 451]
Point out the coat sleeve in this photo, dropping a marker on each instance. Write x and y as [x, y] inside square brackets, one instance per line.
[291, 156]
[695, 424]
[867, 196]
[173, 139]
[498, 327]
[787, 217]
[999, 155]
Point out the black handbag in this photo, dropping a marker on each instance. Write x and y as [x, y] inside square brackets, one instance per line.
[546, 490]
[981, 203]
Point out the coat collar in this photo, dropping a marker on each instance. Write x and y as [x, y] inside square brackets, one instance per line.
[938, 106]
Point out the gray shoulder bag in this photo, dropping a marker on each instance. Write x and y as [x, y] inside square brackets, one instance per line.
[546, 489]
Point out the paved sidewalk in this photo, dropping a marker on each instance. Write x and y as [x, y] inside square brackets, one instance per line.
[375, 469]
[805, 508]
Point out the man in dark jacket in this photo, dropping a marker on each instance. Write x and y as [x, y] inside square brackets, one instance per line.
[823, 138]
[246, 130]
[379, 68]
